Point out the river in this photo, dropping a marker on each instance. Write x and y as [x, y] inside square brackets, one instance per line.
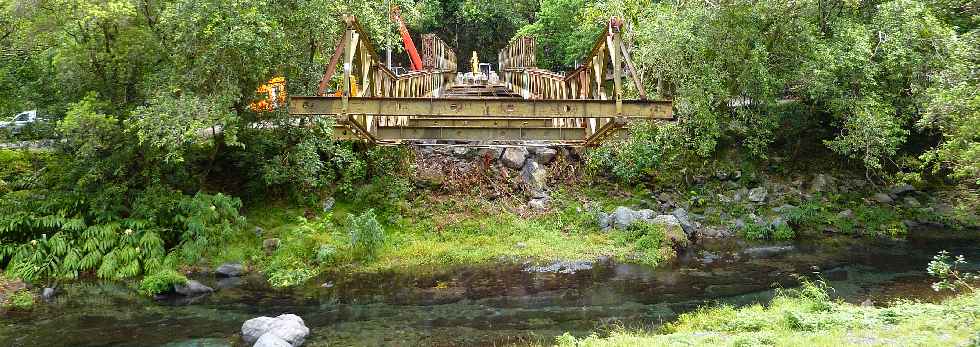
[495, 304]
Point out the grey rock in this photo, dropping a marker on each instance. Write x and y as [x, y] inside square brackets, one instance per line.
[721, 175]
[255, 328]
[271, 340]
[777, 223]
[328, 204]
[514, 157]
[622, 217]
[739, 224]
[228, 282]
[230, 270]
[539, 204]
[565, 267]
[758, 194]
[740, 194]
[901, 189]
[883, 198]
[534, 175]
[603, 220]
[520, 245]
[545, 155]
[684, 220]
[911, 202]
[47, 294]
[846, 214]
[289, 328]
[258, 231]
[672, 229]
[270, 245]
[768, 251]
[822, 183]
[192, 288]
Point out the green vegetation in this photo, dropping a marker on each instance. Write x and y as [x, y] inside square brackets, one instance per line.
[160, 282]
[808, 316]
[22, 300]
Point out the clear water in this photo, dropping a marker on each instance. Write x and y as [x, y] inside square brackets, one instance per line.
[487, 305]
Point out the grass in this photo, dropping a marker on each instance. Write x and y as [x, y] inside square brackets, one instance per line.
[161, 282]
[808, 317]
[441, 231]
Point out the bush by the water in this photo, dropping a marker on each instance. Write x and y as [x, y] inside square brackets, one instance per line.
[161, 282]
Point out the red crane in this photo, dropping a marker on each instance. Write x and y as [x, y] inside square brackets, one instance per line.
[396, 15]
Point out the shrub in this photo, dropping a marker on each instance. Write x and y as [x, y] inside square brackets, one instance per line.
[21, 300]
[366, 234]
[161, 282]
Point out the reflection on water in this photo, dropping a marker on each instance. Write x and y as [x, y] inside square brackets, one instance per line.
[490, 305]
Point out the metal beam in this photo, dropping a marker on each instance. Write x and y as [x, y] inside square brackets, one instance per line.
[482, 108]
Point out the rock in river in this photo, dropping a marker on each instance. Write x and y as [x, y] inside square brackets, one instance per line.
[192, 288]
[284, 330]
[230, 270]
[514, 157]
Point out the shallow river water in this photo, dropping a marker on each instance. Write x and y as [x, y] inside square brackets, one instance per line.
[487, 305]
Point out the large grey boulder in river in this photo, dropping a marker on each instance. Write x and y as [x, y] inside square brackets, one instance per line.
[284, 330]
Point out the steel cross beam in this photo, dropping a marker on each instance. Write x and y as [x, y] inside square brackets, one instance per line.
[394, 120]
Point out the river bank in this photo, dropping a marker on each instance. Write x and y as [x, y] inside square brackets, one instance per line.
[502, 303]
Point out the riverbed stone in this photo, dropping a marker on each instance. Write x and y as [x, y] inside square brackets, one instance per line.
[271, 340]
[192, 288]
[514, 157]
[288, 328]
[882, 198]
[230, 270]
[767, 251]
[622, 217]
[758, 194]
[564, 267]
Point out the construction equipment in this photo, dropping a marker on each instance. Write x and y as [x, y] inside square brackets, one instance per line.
[396, 15]
[274, 95]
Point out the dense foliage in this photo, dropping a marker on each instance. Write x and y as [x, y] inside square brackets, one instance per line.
[149, 103]
[890, 84]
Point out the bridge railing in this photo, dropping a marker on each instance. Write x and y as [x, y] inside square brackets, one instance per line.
[587, 82]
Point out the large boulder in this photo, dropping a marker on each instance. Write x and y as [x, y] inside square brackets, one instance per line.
[535, 176]
[623, 217]
[758, 194]
[192, 288]
[288, 328]
[685, 220]
[672, 229]
[271, 340]
[514, 157]
[230, 270]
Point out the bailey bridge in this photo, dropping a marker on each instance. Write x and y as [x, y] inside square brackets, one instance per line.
[525, 103]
